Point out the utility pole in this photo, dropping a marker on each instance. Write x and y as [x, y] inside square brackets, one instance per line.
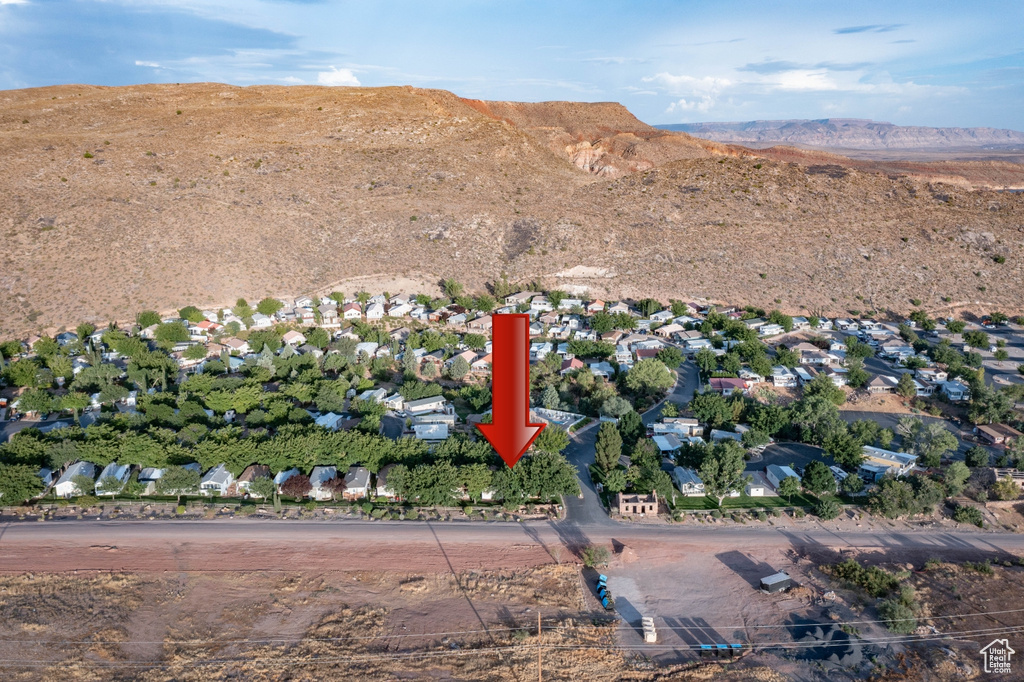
[540, 676]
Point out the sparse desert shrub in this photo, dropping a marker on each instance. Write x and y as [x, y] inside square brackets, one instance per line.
[898, 617]
[595, 555]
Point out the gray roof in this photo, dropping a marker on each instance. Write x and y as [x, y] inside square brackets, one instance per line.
[79, 469]
[218, 475]
[357, 477]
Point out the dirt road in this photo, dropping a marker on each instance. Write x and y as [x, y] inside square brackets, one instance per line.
[240, 545]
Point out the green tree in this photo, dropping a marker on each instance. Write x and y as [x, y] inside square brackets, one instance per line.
[22, 373]
[171, 333]
[955, 477]
[788, 487]
[818, 478]
[147, 318]
[706, 360]
[976, 339]
[615, 481]
[19, 483]
[269, 306]
[178, 480]
[476, 478]
[549, 397]
[84, 485]
[46, 347]
[451, 288]
[631, 428]
[670, 356]
[852, 484]
[549, 475]
[955, 326]
[552, 439]
[824, 386]
[192, 314]
[1002, 355]
[76, 401]
[856, 376]
[711, 409]
[458, 369]
[722, 470]
[318, 338]
[262, 487]
[786, 357]
[977, 456]
[616, 406]
[906, 387]
[608, 448]
[35, 400]
[195, 352]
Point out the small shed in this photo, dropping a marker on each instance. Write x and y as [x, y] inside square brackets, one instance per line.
[778, 582]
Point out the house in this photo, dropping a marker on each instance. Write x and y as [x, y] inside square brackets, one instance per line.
[482, 364]
[329, 315]
[956, 391]
[118, 472]
[46, 475]
[602, 369]
[521, 298]
[426, 406]
[481, 324]
[683, 427]
[728, 386]
[688, 482]
[879, 462]
[623, 354]
[375, 311]
[838, 375]
[777, 474]
[755, 488]
[329, 421]
[666, 331]
[431, 432]
[539, 351]
[357, 483]
[770, 329]
[368, 347]
[694, 345]
[571, 365]
[294, 338]
[667, 443]
[65, 338]
[570, 303]
[237, 346]
[637, 504]
[394, 401]
[383, 489]
[318, 478]
[932, 375]
[998, 434]
[376, 395]
[621, 307]
[261, 321]
[283, 476]
[468, 355]
[65, 486]
[718, 435]
[251, 473]
[595, 306]
[148, 478]
[216, 481]
[398, 309]
[883, 383]
[805, 375]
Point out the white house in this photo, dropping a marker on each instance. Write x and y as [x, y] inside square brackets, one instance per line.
[294, 338]
[383, 489]
[329, 421]
[216, 481]
[318, 478]
[878, 462]
[431, 432]
[119, 472]
[283, 476]
[375, 311]
[426, 405]
[357, 483]
[688, 482]
[956, 391]
[65, 487]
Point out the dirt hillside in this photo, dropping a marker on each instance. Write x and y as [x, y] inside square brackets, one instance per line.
[119, 199]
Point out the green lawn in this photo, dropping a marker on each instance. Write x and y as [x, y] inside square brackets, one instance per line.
[744, 502]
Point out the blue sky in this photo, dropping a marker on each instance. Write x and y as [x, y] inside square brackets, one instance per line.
[908, 62]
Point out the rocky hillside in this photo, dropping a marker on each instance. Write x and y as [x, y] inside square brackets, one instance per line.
[850, 133]
[119, 199]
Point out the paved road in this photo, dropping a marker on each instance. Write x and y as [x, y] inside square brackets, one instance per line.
[238, 544]
[788, 454]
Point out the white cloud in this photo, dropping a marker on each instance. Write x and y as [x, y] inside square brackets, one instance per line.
[13, 2]
[152, 65]
[337, 77]
[293, 80]
[698, 94]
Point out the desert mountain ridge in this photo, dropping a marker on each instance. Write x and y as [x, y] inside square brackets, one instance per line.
[118, 199]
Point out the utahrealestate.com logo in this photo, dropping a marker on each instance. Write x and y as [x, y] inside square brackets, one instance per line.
[996, 656]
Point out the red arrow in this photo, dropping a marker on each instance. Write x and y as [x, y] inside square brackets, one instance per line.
[511, 433]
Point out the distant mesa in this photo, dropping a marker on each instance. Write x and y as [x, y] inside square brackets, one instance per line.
[851, 133]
